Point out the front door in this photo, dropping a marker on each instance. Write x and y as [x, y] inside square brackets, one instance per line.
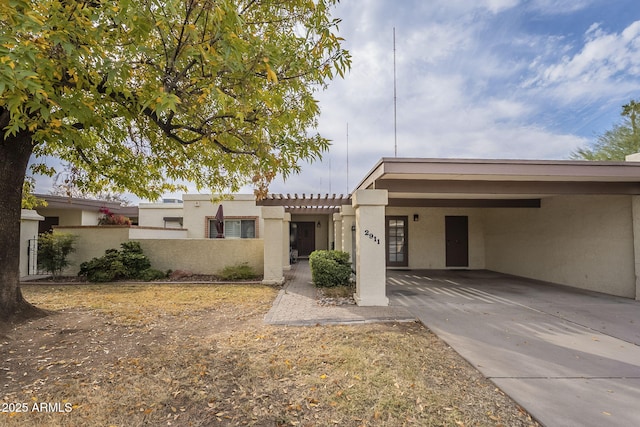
[305, 238]
[457, 241]
[397, 244]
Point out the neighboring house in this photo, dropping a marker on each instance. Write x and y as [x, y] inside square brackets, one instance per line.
[310, 227]
[72, 211]
[574, 223]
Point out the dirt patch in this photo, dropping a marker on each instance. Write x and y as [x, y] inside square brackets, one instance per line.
[201, 355]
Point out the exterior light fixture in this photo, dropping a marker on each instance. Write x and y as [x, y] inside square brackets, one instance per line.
[416, 217]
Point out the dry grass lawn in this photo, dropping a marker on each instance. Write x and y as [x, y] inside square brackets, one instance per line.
[200, 355]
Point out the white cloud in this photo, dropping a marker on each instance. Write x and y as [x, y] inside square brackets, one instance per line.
[607, 64]
[555, 7]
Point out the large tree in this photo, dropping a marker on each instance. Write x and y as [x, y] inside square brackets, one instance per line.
[143, 94]
[619, 141]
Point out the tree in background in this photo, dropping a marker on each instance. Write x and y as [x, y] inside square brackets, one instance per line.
[65, 184]
[616, 143]
[142, 94]
[53, 250]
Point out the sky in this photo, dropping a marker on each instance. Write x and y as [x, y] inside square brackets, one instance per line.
[501, 79]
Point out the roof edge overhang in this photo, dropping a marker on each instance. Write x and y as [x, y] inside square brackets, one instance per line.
[408, 175]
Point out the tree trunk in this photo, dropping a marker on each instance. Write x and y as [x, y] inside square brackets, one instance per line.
[15, 152]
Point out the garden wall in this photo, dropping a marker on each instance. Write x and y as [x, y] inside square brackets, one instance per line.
[166, 252]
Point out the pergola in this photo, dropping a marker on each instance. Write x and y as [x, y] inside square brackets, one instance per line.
[303, 204]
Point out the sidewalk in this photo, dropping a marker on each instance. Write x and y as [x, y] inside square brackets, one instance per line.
[296, 305]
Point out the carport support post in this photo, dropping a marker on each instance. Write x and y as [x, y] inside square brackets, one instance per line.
[273, 217]
[286, 243]
[371, 274]
[337, 231]
[635, 209]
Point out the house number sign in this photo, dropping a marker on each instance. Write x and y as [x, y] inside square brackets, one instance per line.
[372, 236]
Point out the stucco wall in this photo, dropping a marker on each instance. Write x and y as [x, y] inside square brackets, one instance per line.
[67, 217]
[200, 256]
[153, 214]
[197, 207]
[137, 233]
[91, 242]
[204, 256]
[580, 241]
[427, 236]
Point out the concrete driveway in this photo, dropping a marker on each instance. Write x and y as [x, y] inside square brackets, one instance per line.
[570, 357]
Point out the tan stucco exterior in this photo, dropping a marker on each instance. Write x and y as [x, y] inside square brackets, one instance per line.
[427, 236]
[371, 275]
[166, 252]
[581, 241]
[566, 222]
[204, 256]
[154, 214]
[198, 208]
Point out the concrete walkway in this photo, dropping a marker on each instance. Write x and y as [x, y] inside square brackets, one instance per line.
[296, 304]
[569, 357]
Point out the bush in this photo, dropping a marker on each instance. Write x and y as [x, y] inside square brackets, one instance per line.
[330, 268]
[128, 263]
[53, 249]
[237, 272]
[109, 218]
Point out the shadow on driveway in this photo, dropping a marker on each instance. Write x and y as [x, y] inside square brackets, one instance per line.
[568, 356]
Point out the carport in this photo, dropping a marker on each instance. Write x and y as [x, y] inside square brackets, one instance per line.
[573, 223]
[568, 356]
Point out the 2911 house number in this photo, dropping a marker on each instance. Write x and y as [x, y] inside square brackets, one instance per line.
[372, 236]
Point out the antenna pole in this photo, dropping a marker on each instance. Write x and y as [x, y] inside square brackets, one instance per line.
[347, 158]
[395, 120]
[330, 175]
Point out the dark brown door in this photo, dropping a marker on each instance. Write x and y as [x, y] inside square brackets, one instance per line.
[397, 243]
[457, 241]
[305, 238]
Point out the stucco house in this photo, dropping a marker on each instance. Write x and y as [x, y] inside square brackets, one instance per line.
[574, 223]
[71, 211]
[61, 211]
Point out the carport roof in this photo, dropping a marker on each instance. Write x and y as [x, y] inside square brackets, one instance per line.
[436, 182]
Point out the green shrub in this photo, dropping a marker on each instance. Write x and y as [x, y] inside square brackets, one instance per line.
[330, 268]
[53, 249]
[151, 274]
[128, 263]
[237, 272]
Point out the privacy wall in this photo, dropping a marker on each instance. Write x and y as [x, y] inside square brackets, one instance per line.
[166, 252]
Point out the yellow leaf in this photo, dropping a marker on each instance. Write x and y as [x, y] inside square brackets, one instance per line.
[271, 75]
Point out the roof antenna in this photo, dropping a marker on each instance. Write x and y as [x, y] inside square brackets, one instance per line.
[347, 158]
[395, 120]
[330, 175]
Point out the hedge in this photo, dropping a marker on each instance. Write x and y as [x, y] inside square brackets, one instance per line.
[330, 268]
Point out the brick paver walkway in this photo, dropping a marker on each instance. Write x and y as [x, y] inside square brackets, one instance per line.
[296, 305]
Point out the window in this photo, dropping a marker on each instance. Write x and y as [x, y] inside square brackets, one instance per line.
[235, 228]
